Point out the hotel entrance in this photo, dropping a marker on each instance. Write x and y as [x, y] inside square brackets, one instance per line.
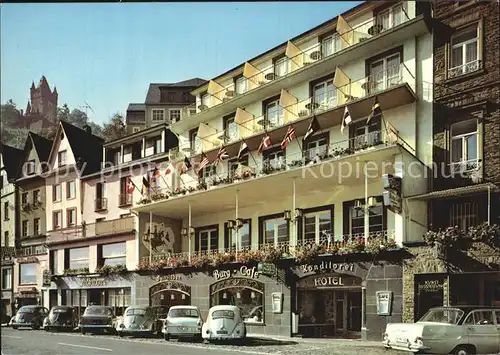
[329, 305]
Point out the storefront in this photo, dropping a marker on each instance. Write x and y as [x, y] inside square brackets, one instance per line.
[264, 300]
[347, 300]
[82, 291]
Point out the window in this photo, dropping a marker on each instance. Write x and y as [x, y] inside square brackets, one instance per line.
[233, 165]
[186, 97]
[241, 85]
[27, 273]
[56, 219]
[61, 158]
[243, 236]
[170, 96]
[36, 196]
[465, 52]
[391, 17]
[70, 189]
[365, 136]
[207, 239]
[274, 114]
[357, 218]
[274, 159]
[464, 214]
[6, 211]
[316, 146]
[136, 129]
[317, 224]
[384, 73]
[24, 198]
[325, 95]
[480, 317]
[275, 230]
[231, 129]
[125, 197]
[7, 279]
[175, 115]
[79, 258]
[117, 158]
[36, 226]
[56, 193]
[30, 167]
[464, 146]
[195, 140]
[330, 45]
[208, 173]
[24, 228]
[114, 254]
[205, 101]
[6, 239]
[157, 115]
[281, 66]
[70, 217]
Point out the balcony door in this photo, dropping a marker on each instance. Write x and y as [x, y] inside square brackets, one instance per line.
[391, 17]
[330, 45]
[317, 226]
[464, 146]
[365, 135]
[316, 146]
[276, 230]
[325, 95]
[274, 114]
[207, 239]
[384, 73]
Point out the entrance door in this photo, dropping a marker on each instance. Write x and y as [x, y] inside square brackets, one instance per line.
[52, 298]
[94, 297]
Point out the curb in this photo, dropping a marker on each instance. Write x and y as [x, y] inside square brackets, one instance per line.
[348, 342]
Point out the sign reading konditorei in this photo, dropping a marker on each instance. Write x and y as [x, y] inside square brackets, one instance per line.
[242, 271]
[328, 265]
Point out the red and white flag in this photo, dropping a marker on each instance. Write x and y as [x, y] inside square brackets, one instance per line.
[170, 169]
[130, 186]
[289, 136]
[266, 143]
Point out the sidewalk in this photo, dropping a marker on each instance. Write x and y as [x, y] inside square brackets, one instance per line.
[324, 341]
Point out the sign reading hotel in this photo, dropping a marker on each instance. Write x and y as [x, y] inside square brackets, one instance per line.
[242, 271]
[328, 265]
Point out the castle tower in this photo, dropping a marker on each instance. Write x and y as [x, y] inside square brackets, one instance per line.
[44, 100]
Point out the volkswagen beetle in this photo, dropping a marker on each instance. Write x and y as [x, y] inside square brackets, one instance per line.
[139, 321]
[61, 318]
[182, 321]
[224, 323]
[98, 318]
[30, 316]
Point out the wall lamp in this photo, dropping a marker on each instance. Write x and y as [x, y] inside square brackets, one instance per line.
[185, 232]
[235, 224]
[297, 214]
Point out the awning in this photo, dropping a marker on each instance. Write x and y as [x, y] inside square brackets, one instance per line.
[216, 90]
[345, 32]
[456, 192]
[293, 53]
[207, 135]
[341, 82]
[249, 72]
[245, 121]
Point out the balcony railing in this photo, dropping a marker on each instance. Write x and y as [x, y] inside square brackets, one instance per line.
[372, 242]
[31, 250]
[124, 199]
[66, 234]
[116, 226]
[464, 69]
[302, 109]
[101, 204]
[303, 58]
[388, 135]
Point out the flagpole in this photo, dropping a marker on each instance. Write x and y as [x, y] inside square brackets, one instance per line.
[189, 233]
[249, 153]
[237, 228]
[149, 237]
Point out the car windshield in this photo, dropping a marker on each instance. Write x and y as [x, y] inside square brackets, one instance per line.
[223, 314]
[98, 311]
[27, 309]
[136, 312]
[440, 315]
[183, 312]
[61, 310]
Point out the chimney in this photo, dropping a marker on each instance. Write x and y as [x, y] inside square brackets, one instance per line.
[87, 129]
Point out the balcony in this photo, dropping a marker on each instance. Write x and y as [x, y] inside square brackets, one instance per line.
[125, 200]
[65, 235]
[101, 204]
[317, 170]
[302, 251]
[115, 226]
[393, 88]
[301, 66]
[31, 250]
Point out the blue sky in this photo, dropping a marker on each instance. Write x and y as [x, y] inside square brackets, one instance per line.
[107, 54]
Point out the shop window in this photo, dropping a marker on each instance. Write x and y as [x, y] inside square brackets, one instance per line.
[276, 230]
[317, 225]
[114, 254]
[7, 279]
[166, 294]
[79, 258]
[243, 236]
[27, 273]
[246, 294]
[119, 299]
[207, 239]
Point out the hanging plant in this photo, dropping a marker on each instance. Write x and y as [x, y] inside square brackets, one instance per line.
[486, 233]
[307, 254]
[451, 237]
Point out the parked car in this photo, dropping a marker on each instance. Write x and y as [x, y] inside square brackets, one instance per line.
[30, 316]
[98, 319]
[448, 330]
[182, 321]
[224, 323]
[161, 312]
[139, 321]
[61, 318]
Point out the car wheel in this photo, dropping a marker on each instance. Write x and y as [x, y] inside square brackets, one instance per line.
[35, 327]
[82, 331]
[120, 334]
[15, 327]
[47, 328]
[464, 350]
[166, 337]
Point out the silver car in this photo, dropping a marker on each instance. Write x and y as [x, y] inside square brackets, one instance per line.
[139, 321]
[183, 321]
[224, 323]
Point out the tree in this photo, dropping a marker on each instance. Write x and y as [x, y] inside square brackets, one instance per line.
[78, 118]
[63, 113]
[115, 128]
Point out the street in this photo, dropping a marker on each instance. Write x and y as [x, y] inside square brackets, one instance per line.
[30, 342]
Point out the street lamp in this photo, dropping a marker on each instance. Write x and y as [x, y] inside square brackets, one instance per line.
[287, 215]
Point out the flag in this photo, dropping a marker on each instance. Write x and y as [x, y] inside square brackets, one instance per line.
[145, 185]
[186, 166]
[289, 136]
[376, 111]
[221, 155]
[130, 186]
[243, 151]
[155, 174]
[170, 168]
[313, 128]
[204, 162]
[266, 143]
[346, 120]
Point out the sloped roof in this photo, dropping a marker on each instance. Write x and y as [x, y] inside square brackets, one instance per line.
[136, 107]
[153, 96]
[12, 159]
[42, 145]
[86, 147]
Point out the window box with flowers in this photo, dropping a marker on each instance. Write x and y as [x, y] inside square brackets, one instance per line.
[75, 272]
[144, 201]
[451, 237]
[244, 175]
[487, 233]
[179, 191]
[159, 196]
[111, 269]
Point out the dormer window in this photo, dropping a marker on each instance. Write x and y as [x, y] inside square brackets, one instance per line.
[61, 158]
[30, 167]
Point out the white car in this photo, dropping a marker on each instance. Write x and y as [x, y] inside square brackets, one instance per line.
[138, 321]
[182, 322]
[458, 330]
[224, 323]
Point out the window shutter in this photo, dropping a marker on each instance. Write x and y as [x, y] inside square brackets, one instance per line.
[261, 232]
[215, 246]
[197, 241]
[226, 236]
[66, 259]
